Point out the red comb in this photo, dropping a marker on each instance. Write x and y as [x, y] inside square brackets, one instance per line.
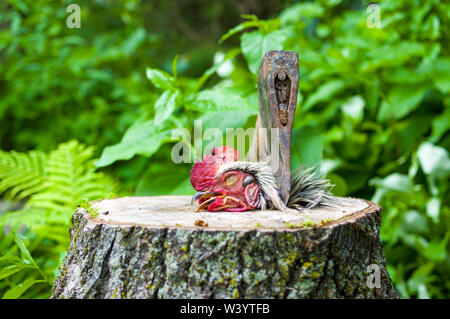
[203, 173]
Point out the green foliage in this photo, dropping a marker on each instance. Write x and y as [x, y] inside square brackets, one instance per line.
[21, 174]
[175, 108]
[416, 223]
[66, 83]
[12, 263]
[55, 181]
[52, 184]
[70, 175]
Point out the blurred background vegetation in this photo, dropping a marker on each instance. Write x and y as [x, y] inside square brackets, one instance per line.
[88, 113]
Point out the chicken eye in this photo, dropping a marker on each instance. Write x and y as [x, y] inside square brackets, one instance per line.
[230, 180]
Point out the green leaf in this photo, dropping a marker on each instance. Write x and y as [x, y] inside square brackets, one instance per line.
[388, 55]
[141, 138]
[307, 147]
[442, 82]
[25, 253]
[11, 270]
[133, 41]
[34, 218]
[356, 181]
[295, 13]
[323, 93]
[437, 249]
[226, 119]
[165, 179]
[70, 175]
[394, 182]
[255, 44]
[22, 173]
[402, 100]
[411, 129]
[422, 292]
[220, 100]
[239, 28]
[10, 259]
[231, 54]
[160, 79]
[27, 256]
[420, 276]
[434, 160]
[339, 184]
[440, 124]
[353, 107]
[19, 289]
[329, 165]
[165, 105]
[433, 207]
[414, 222]
[223, 120]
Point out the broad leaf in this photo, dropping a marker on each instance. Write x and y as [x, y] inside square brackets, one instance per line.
[221, 100]
[433, 207]
[231, 54]
[440, 74]
[340, 187]
[70, 175]
[12, 269]
[10, 259]
[133, 41]
[420, 276]
[165, 179]
[440, 124]
[434, 160]
[160, 79]
[307, 147]
[239, 28]
[23, 249]
[353, 107]
[256, 44]
[226, 119]
[324, 93]
[394, 182]
[437, 249]
[301, 10]
[18, 290]
[21, 173]
[403, 99]
[165, 105]
[142, 138]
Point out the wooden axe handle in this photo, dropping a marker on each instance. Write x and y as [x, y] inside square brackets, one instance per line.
[277, 88]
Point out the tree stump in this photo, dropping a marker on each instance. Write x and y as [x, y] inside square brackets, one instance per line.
[150, 247]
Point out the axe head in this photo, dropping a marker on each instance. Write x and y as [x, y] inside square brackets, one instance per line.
[277, 88]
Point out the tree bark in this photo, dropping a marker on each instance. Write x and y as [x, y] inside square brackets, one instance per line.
[150, 247]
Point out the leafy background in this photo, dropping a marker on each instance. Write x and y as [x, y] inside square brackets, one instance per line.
[88, 113]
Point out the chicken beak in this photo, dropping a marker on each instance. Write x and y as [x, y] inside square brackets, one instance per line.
[199, 195]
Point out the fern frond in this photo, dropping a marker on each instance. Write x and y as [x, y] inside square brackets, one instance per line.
[70, 176]
[21, 174]
[33, 217]
[54, 184]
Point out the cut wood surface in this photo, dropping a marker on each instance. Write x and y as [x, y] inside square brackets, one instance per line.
[159, 247]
